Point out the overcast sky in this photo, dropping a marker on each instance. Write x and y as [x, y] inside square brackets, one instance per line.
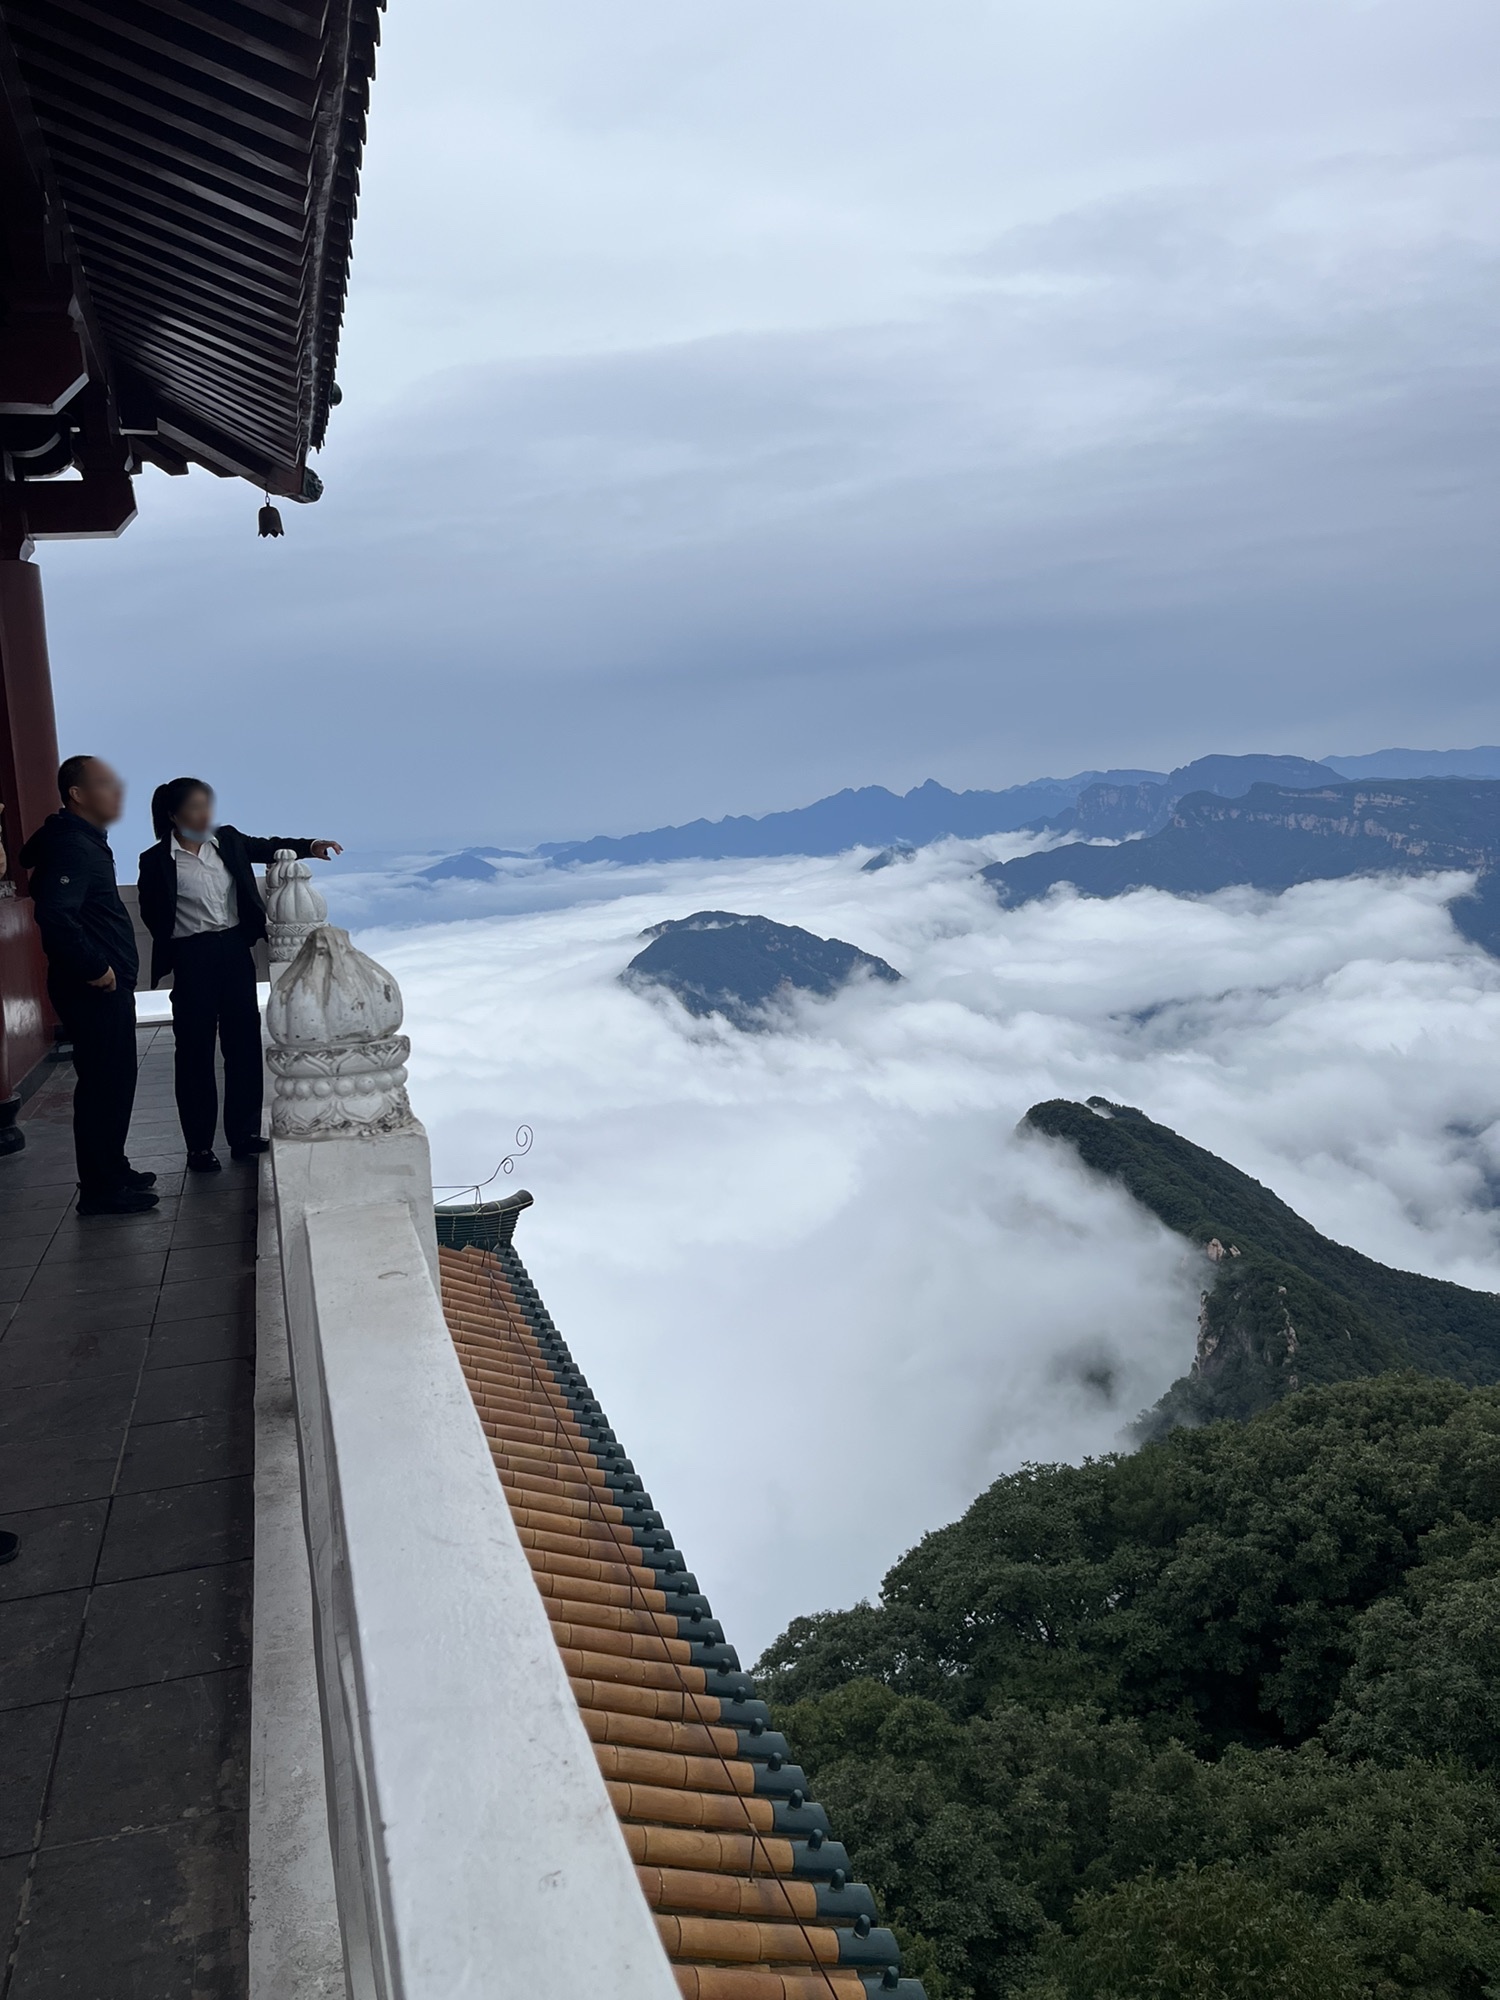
[744, 401]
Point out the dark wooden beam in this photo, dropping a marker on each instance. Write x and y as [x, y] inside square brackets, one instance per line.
[42, 362]
[96, 507]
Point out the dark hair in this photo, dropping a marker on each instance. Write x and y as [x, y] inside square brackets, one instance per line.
[70, 772]
[168, 800]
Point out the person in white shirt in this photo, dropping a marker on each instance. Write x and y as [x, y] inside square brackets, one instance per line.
[201, 903]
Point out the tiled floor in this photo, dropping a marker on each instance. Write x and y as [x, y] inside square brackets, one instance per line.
[126, 1385]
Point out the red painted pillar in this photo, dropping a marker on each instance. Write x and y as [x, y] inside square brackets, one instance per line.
[28, 791]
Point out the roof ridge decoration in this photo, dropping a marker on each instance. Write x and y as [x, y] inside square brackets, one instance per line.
[752, 1894]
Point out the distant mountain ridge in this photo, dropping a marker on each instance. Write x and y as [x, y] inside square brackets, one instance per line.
[1113, 811]
[1275, 837]
[1480, 762]
[1286, 1308]
[872, 816]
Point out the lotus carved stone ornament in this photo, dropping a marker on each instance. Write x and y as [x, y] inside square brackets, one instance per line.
[338, 1063]
[293, 905]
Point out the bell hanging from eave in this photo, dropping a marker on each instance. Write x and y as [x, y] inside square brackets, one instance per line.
[269, 520]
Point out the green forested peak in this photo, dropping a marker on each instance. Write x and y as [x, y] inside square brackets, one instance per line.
[1285, 1307]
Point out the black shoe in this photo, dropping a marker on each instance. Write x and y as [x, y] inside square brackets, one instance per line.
[118, 1201]
[10, 1546]
[134, 1180]
[247, 1149]
[204, 1163]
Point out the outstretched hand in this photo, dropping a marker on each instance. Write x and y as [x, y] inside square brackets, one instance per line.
[321, 849]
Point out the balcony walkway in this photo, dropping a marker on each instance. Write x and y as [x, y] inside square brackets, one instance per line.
[126, 1388]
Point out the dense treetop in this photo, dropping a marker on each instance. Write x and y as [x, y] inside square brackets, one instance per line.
[1214, 1717]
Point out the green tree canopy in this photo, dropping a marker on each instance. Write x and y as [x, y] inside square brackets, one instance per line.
[1250, 1665]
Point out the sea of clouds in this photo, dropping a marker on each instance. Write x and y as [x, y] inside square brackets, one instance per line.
[823, 1288]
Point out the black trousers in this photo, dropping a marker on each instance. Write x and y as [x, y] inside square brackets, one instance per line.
[101, 1027]
[213, 1000]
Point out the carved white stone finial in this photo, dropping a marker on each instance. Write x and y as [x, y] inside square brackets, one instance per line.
[339, 1064]
[293, 905]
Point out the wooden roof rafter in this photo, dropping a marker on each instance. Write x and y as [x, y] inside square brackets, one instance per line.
[195, 172]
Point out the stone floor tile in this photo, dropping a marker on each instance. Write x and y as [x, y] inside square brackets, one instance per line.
[59, 1548]
[40, 1354]
[73, 1271]
[201, 1296]
[188, 1261]
[195, 1389]
[145, 1756]
[179, 1527]
[56, 1471]
[157, 1628]
[92, 1312]
[212, 1447]
[219, 1337]
[23, 1250]
[154, 1915]
[14, 1869]
[38, 1639]
[27, 1737]
[213, 1223]
[93, 1402]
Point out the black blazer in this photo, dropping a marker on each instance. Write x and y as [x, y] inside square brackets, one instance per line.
[158, 888]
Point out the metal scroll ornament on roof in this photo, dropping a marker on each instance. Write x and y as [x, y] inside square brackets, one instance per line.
[470, 1191]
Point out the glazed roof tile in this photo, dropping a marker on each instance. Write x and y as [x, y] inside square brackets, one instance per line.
[751, 1891]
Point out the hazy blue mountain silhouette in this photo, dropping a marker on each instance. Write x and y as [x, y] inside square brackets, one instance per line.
[1481, 762]
[1096, 804]
[868, 817]
[469, 866]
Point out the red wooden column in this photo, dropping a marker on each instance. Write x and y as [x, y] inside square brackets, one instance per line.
[28, 791]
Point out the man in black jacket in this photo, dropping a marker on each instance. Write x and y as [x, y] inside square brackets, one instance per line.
[91, 973]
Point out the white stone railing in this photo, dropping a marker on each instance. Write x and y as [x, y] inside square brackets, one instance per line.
[474, 1848]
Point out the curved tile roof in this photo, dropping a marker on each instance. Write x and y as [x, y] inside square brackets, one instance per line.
[752, 1893]
[198, 161]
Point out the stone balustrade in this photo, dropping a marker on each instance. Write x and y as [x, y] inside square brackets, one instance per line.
[474, 1848]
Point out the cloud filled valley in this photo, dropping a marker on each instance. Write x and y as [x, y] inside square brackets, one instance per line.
[823, 1289]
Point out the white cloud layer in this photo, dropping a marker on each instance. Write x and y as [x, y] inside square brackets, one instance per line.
[823, 1290]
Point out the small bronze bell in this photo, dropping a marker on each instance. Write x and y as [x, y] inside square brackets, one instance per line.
[269, 520]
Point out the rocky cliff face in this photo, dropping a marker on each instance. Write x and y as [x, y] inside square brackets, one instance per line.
[1429, 824]
[1128, 803]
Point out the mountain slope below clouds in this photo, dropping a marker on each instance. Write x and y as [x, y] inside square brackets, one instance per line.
[1275, 837]
[1287, 1308]
[718, 962]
